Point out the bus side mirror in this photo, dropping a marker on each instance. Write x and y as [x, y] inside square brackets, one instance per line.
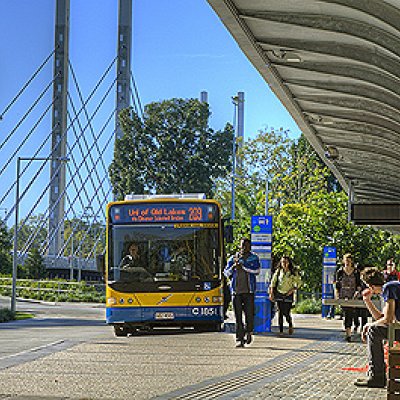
[101, 265]
[228, 233]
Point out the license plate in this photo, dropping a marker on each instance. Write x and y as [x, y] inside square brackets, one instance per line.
[164, 315]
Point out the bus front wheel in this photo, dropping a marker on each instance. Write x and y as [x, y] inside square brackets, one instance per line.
[120, 330]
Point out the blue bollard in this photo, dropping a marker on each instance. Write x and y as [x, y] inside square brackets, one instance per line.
[262, 317]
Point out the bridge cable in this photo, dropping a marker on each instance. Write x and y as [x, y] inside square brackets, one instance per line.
[137, 95]
[26, 85]
[82, 150]
[105, 148]
[101, 132]
[90, 201]
[49, 157]
[34, 234]
[87, 147]
[8, 137]
[71, 204]
[19, 147]
[86, 113]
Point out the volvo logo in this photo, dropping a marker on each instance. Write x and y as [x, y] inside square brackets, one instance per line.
[164, 299]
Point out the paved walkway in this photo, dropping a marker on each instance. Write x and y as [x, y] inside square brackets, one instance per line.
[311, 364]
[315, 363]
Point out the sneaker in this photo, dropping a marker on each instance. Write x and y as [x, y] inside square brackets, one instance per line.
[348, 339]
[249, 338]
[240, 343]
[371, 382]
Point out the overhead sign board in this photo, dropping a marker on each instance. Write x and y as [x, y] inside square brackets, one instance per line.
[375, 213]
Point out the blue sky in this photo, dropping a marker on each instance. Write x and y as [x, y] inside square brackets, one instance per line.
[180, 47]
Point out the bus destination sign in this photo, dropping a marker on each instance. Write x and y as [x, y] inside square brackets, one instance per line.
[166, 212]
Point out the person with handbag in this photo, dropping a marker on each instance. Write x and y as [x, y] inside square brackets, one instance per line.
[285, 281]
[348, 282]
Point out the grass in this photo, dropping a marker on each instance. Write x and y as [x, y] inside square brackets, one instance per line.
[23, 315]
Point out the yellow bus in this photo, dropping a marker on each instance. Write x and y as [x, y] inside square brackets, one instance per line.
[163, 263]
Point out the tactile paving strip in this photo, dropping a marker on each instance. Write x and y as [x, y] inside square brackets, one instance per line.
[217, 388]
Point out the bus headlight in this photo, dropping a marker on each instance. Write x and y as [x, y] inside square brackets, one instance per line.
[217, 299]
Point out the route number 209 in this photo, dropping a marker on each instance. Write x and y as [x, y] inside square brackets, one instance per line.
[195, 214]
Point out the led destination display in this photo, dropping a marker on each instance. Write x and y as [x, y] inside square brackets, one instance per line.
[154, 212]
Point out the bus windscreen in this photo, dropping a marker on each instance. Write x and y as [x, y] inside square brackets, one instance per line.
[153, 253]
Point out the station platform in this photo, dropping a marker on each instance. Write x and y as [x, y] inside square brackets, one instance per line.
[314, 363]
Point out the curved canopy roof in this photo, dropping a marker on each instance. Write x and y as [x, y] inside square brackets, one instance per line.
[335, 65]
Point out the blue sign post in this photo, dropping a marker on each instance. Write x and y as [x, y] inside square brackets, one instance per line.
[261, 244]
[328, 276]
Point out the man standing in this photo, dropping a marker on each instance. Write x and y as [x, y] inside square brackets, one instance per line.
[242, 268]
[374, 333]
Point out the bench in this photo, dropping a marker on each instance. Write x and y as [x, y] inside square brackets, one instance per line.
[349, 303]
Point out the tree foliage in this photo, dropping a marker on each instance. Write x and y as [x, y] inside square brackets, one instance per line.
[5, 249]
[309, 208]
[83, 238]
[172, 151]
[34, 266]
[32, 232]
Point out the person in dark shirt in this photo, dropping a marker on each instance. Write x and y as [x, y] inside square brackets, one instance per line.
[347, 283]
[374, 333]
[131, 266]
[242, 268]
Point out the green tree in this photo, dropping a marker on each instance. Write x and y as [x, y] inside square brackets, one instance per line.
[172, 151]
[34, 264]
[265, 157]
[32, 232]
[304, 174]
[309, 208]
[82, 238]
[5, 249]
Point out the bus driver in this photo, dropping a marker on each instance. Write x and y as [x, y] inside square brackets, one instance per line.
[131, 265]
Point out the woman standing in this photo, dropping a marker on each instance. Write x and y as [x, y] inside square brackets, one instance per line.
[284, 283]
[348, 282]
[390, 273]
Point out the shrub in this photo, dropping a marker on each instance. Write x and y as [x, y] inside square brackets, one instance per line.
[53, 290]
[6, 315]
[308, 306]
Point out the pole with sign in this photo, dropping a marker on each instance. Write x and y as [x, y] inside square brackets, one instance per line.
[328, 276]
[261, 244]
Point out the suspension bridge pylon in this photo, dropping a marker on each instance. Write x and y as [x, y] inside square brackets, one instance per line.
[59, 127]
